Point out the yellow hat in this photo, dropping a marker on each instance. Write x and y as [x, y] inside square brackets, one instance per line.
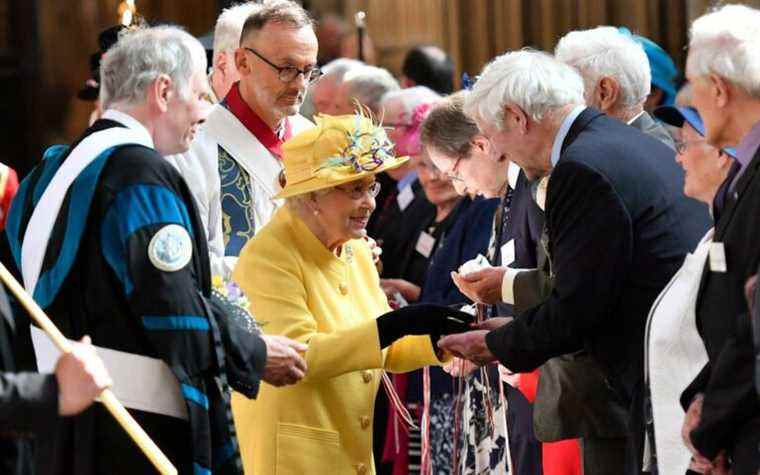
[338, 150]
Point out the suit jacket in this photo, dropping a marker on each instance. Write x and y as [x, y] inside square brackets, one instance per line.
[647, 125]
[612, 254]
[727, 379]
[28, 401]
[396, 229]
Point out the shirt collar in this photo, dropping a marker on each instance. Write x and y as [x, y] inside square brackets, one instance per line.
[559, 139]
[635, 118]
[748, 146]
[129, 122]
[407, 180]
[513, 173]
[269, 138]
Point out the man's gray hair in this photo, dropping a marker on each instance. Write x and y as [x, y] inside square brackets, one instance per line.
[336, 69]
[726, 42]
[229, 26]
[532, 80]
[286, 12]
[606, 52]
[368, 84]
[141, 56]
[410, 98]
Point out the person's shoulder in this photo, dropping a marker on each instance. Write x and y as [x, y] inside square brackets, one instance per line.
[136, 164]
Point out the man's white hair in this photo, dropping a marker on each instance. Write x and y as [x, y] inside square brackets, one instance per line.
[229, 26]
[606, 52]
[411, 97]
[532, 80]
[141, 56]
[336, 69]
[368, 84]
[726, 42]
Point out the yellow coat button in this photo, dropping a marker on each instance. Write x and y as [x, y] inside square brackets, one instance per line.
[343, 288]
[364, 421]
[366, 376]
[361, 469]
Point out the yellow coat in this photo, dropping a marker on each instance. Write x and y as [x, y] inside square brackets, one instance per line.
[298, 288]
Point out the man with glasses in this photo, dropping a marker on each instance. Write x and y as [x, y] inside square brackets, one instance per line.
[235, 160]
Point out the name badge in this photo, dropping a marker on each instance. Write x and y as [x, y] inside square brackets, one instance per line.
[508, 253]
[405, 197]
[425, 244]
[718, 257]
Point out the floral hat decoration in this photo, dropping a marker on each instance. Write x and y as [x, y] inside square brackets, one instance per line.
[340, 149]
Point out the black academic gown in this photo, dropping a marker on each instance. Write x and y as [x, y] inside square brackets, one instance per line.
[114, 292]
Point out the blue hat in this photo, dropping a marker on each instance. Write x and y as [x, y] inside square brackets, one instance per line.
[676, 116]
[664, 72]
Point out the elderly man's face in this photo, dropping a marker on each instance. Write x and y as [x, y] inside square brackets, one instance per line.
[283, 46]
[705, 99]
[183, 116]
[325, 93]
[345, 210]
[518, 143]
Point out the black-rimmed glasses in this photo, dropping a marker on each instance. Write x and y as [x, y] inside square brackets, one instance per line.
[288, 73]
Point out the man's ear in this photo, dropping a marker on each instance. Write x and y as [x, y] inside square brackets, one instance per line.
[515, 118]
[607, 92]
[720, 90]
[241, 62]
[160, 92]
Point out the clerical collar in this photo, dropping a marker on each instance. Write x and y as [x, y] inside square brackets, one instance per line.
[559, 139]
[633, 119]
[269, 138]
[129, 122]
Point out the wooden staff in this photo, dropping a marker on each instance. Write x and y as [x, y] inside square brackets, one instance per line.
[107, 398]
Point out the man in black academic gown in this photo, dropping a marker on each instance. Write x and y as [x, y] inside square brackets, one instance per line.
[109, 242]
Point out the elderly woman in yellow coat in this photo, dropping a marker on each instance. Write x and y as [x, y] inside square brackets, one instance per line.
[310, 276]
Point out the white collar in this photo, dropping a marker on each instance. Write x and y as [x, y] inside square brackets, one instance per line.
[559, 139]
[513, 173]
[635, 117]
[129, 122]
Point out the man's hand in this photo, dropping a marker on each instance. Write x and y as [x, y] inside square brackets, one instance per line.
[284, 363]
[483, 286]
[492, 323]
[81, 378]
[690, 421]
[458, 367]
[470, 346]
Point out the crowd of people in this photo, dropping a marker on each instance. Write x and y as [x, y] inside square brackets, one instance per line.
[286, 262]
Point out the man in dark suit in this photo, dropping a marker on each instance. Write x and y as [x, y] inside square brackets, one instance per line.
[613, 215]
[723, 412]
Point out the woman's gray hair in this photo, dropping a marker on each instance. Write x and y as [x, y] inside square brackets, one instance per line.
[532, 80]
[141, 56]
[410, 98]
[606, 52]
[447, 129]
[726, 42]
[368, 84]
